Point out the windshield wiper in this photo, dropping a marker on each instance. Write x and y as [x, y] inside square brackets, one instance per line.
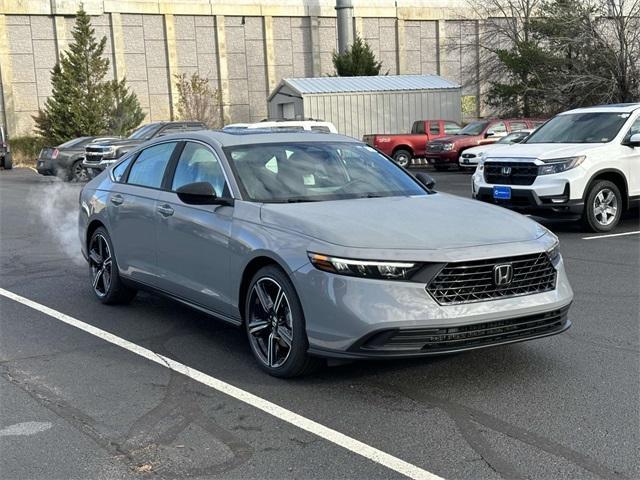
[301, 200]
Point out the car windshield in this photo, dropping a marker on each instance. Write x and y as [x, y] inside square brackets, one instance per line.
[474, 128]
[591, 127]
[145, 132]
[76, 142]
[313, 171]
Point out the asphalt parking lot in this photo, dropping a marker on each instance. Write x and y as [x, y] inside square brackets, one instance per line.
[73, 405]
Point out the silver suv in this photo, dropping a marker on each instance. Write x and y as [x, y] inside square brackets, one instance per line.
[318, 246]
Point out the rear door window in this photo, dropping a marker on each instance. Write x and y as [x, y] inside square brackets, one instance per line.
[148, 169]
[499, 129]
[434, 128]
[418, 128]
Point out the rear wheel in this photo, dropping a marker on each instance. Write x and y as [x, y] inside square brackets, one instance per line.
[275, 325]
[402, 157]
[105, 279]
[603, 207]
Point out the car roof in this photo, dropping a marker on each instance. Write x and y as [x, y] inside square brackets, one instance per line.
[613, 108]
[243, 136]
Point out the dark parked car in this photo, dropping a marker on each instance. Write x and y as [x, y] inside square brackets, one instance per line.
[65, 161]
[100, 155]
[5, 152]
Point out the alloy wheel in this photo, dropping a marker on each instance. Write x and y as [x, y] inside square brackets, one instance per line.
[270, 322]
[78, 173]
[605, 207]
[402, 160]
[101, 264]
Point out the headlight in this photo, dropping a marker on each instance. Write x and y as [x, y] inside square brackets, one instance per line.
[364, 268]
[554, 253]
[111, 153]
[558, 165]
[447, 146]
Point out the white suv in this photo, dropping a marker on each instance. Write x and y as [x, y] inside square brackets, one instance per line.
[584, 163]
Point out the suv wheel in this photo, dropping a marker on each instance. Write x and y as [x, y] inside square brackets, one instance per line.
[275, 325]
[402, 157]
[76, 172]
[603, 207]
[105, 279]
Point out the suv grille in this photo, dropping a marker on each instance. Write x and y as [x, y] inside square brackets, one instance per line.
[447, 339]
[510, 173]
[95, 153]
[475, 281]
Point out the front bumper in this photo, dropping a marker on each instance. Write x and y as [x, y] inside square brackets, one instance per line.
[548, 196]
[442, 158]
[349, 317]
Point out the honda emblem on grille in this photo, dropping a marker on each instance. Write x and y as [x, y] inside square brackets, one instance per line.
[506, 171]
[503, 274]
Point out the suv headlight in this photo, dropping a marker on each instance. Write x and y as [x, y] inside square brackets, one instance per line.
[554, 253]
[447, 146]
[364, 268]
[559, 165]
[111, 153]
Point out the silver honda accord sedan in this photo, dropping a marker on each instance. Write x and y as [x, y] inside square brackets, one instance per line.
[318, 246]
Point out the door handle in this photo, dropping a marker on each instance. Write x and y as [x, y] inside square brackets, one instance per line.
[165, 210]
[117, 199]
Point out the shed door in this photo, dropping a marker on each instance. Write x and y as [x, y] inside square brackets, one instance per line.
[287, 110]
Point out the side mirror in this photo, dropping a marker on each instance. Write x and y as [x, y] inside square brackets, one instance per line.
[490, 133]
[634, 141]
[198, 193]
[426, 180]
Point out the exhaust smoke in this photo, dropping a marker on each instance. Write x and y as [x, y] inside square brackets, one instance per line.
[56, 204]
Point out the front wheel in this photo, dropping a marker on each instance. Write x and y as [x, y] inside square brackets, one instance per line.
[603, 207]
[105, 278]
[76, 172]
[275, 325]
[402, 157]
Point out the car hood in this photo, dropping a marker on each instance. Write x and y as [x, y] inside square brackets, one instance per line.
[544, 151]
[486, 148]
[429, 222]
[124, 142]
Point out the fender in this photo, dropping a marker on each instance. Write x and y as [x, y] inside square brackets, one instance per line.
[625, 198]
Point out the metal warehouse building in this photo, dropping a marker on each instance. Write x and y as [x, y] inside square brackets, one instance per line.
[363, 105]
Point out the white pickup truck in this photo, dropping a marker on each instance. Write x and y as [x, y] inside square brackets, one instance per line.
[584, 163]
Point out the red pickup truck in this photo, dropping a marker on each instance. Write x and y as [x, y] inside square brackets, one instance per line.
[402, 147]
[445, 151]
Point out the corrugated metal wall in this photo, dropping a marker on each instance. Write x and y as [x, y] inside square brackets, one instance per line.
[357, 114]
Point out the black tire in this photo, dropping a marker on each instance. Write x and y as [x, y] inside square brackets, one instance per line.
[109, 289]
[282, 326]
[402, 157]
[605, 194]
[76, 173]
[7, 162]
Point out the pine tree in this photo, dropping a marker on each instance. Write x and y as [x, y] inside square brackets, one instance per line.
[125, 114]
[83, 103]
[358, 60]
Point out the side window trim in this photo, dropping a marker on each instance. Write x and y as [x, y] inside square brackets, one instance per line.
[173, 165]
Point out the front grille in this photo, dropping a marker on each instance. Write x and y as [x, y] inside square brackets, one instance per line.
[95, 153]
[435, 147]
[510, 173]
[468, 155]
[468, 282]
[443, 339]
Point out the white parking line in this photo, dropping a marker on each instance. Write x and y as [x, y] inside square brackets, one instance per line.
[611, 235]
[333, 436]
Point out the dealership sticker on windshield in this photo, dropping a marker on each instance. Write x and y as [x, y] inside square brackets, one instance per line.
[501, 193]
